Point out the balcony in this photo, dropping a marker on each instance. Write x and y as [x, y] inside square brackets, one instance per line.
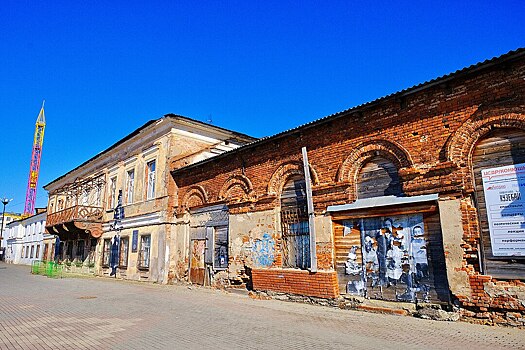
[79, 221]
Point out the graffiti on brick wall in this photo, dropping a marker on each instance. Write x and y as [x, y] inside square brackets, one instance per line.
[263, 251]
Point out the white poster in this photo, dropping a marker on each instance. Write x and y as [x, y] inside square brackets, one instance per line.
[504, 189]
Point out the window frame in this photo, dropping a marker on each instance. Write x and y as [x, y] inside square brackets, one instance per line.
[151, 178]
[130, 185]
[112, 192]
[293, 214]
[144, 264]
[217, 247]
[123, 263]
[106, 252]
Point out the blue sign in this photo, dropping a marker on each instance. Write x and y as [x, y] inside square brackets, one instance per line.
[135, 241]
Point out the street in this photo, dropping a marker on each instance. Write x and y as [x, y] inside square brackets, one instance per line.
[37, 312]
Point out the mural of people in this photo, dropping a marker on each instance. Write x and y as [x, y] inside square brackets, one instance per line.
[419, 252]
[394, 257]
[351, 265]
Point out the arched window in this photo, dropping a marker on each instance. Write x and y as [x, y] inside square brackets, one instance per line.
[378, 177]
[294, 223]
[502, 222]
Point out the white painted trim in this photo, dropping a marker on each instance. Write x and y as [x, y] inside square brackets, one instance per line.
[130, 160]
[150, 151]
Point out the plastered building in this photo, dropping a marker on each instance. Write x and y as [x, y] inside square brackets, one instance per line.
[82, 202]
[416, 199]
[26, 239]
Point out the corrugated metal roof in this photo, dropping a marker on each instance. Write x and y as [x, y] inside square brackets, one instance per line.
[440, 80]
[384, 201]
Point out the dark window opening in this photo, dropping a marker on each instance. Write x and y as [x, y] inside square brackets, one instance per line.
[294, 224]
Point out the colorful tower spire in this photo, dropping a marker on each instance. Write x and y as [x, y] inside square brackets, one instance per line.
[34, 167]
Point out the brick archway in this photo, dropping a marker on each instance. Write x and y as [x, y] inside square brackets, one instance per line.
[363, 152]
[281, 175]
[194, 197]
[234, 182]
[460, 146]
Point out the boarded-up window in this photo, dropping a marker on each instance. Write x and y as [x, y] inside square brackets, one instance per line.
[378, 177]
[499, 148]
[294, 223]
[396, 257]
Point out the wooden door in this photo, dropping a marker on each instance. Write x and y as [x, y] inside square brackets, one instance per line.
[197, 265]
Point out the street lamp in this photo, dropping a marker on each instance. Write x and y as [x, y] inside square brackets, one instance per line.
[4, 202]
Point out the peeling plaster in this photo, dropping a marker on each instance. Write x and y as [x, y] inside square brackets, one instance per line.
[514, 292]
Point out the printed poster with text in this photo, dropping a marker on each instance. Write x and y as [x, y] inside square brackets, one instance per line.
[504, 189]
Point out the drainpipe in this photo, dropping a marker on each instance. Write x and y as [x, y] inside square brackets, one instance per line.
[311, 215]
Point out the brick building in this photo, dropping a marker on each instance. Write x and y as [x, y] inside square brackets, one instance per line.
[399, 201]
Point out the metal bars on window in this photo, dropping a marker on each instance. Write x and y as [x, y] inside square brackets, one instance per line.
[296, 237]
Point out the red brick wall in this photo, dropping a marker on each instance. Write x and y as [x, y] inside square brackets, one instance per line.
[319, 284]
[423, 133]
[428, 135]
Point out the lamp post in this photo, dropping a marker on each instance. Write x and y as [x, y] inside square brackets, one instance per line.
[4, 202]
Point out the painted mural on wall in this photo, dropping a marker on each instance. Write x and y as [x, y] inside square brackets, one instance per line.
[392, 260]
[263, 251]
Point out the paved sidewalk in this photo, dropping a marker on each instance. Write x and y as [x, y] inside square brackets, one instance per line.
[98, 313]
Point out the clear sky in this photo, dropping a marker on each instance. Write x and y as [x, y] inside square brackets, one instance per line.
[257, 67]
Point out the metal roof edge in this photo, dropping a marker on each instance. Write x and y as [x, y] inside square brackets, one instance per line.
[383, 201]
[172, 116]
[511, 55]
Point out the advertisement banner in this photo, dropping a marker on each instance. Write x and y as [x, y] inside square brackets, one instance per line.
[504, 189]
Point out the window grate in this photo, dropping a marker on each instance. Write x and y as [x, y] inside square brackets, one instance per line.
[296, 237]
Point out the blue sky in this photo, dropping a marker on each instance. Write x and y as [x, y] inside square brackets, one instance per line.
[254, 67]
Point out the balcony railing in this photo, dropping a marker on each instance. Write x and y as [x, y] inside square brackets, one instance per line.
[75, 213]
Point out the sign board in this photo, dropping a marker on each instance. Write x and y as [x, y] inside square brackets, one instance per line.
[504, 189]
[134, 241]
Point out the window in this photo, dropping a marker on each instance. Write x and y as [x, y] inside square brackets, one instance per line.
[32, 251]
[220, 260]
[60, 204]
[130, 183]
[46, 251]
[37, 251]
[97, 195]
[144, 252]
[85, 197]
[378, 177]
[123, 257]
[150, 178]
[503, 254]
[106, 252]
[112, 192]
[294, 224]
[27, 252]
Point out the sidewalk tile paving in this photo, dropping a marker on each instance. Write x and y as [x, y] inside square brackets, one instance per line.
[100, 313]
